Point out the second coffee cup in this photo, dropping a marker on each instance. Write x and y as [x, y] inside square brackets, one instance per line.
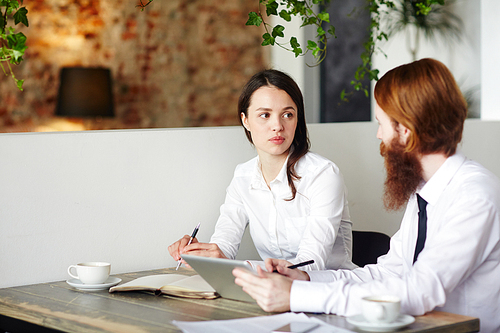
[94, 272]
[381, 309]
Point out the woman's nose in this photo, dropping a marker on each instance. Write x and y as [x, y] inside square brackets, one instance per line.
[277, 125]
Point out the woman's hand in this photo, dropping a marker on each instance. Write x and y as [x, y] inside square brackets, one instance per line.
[195, 249]
[271, 291]
[281, 265]
[204, 250]
[177, 248]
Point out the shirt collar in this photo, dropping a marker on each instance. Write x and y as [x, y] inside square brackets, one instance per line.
[431, 191]
[258, 181]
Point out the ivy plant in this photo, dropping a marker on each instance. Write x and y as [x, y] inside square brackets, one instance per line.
[12, 44]
[313, 13]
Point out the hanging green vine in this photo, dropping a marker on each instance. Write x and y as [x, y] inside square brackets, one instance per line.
[12, 44]
[313, 13]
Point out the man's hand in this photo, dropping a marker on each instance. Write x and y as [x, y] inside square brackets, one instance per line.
[281, 266]
[270, 290]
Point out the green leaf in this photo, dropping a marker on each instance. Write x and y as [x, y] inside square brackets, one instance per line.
[324, 16]
[320, 31]
[19, 84]
[298, 7]
[278, 31]
[331, 31]
[374, 74]
[254, 19]
[20, 16]
[285, 15]
[295, 46]
[423, 9]
[309, 21]
[272, 8]
[311, 45]
[294, 43]
[268, 39]
[17, 42]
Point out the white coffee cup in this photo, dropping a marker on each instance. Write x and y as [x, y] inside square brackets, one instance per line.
[381, 309]
[91, 272]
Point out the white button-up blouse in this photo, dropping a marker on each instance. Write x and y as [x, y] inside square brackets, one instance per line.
[315, 225]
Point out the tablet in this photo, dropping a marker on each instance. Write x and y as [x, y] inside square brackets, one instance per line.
[218, 273]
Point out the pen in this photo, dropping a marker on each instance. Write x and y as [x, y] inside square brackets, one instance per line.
[193, 235]
[300, 264]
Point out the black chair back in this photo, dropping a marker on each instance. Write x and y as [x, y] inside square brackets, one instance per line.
[367, 246]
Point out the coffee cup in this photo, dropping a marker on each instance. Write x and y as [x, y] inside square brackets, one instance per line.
[381, 309]
[91, 272]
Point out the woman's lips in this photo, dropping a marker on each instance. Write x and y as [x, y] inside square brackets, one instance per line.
[277, 140]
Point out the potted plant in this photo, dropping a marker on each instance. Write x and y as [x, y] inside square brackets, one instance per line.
[439, 21]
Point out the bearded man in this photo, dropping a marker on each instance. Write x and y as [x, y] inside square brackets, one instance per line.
[446, 259]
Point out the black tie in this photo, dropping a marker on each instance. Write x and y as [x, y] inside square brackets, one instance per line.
[422, 226]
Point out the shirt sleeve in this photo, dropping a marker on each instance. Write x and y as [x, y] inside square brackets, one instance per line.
[231, 224]
[453, 251]
[327, 197]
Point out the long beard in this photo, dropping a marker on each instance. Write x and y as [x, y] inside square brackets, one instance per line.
[404, 174]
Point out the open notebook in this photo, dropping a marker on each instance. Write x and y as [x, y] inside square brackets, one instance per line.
[170, 284]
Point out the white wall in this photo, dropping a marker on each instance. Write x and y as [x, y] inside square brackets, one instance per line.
[490, 49]
[123, 196]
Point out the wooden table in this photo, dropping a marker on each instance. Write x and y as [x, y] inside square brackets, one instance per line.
[56, 306]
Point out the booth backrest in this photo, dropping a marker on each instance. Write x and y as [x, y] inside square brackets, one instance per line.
[123, 196]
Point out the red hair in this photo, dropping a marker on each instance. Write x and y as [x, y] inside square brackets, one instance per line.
[424, 97]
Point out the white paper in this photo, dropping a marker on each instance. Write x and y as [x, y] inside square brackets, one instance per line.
[264, 324]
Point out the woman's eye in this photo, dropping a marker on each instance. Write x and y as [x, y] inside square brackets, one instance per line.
[288, 115]
[264, 115]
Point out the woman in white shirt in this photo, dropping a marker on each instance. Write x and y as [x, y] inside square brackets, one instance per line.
[293, 201]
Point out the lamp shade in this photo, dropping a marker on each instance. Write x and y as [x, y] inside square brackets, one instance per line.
[85, 92]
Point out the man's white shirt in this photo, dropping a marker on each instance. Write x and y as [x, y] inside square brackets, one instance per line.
[458, 270]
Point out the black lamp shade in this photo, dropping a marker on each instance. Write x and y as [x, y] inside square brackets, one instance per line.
[85, 92]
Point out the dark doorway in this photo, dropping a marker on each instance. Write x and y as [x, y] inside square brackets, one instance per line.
[351, 19]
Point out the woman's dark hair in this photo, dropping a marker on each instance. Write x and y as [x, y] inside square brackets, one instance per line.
[300, 145]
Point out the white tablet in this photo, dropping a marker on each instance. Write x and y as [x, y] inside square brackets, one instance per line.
[218, 273]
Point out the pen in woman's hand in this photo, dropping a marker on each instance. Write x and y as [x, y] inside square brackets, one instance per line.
[193, 235]
[300, 264]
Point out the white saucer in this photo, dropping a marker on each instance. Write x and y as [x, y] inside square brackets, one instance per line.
[360, 321]
[111, 281]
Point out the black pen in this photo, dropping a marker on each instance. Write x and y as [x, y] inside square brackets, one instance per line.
[193, 235]
[300, 264]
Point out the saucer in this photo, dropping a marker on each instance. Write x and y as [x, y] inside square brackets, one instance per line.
[111, 281]
[360, 321]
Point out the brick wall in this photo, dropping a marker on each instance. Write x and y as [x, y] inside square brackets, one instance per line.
[178, 63]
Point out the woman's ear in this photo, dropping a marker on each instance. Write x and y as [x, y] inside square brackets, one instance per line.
[244, 121]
